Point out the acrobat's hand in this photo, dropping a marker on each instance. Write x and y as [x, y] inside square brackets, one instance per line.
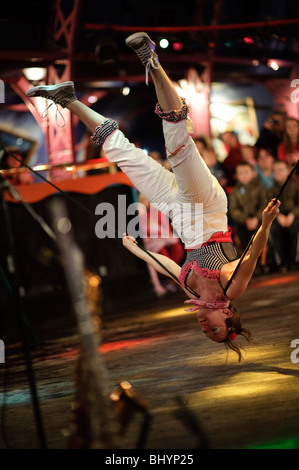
[270, 212]
[129, 242]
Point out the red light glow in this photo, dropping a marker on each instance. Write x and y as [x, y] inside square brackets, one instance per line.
[177, 46]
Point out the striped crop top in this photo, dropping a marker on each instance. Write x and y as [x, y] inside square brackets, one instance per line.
[208, 260]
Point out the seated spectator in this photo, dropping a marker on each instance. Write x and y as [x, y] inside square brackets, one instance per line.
[288, 149]
[284, 233]
[246, 203]
[264, 168]
[248, 153]
[272, 133]
[234, 155]
[202, 143]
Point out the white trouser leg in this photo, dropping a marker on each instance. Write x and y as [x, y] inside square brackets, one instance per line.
[152, 180]
[195, 182]
[190, 183]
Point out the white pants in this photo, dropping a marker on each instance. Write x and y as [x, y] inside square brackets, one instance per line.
[190, 187]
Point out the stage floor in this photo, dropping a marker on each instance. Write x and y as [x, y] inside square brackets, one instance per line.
[198, 395]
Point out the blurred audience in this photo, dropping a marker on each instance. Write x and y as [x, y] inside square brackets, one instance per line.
[234, 156]
[271, 134]
[248, 153]
[246, 202]
[288, 149]
[202, 143]
[252, 176]
[264, 168]
[284, 233]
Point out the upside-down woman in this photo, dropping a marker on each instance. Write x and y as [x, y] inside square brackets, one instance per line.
[202, 221]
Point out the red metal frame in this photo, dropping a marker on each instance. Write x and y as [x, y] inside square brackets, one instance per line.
[60, 143]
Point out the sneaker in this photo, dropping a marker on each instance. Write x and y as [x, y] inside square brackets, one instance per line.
[63, 93]
[145, 49]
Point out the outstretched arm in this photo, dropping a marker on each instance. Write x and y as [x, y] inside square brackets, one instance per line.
[248, 264]
[131, 245]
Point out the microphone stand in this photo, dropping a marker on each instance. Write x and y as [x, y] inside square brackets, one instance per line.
[15, 291]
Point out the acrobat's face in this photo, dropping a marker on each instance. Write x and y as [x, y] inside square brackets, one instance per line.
[212, 323]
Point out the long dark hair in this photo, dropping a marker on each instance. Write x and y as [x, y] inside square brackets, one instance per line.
[234, 326]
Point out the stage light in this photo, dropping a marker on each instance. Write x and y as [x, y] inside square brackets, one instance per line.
[35, 74]
[126, 90]
[177, 46]
[248, 40]
[255, 63]
[94, 281]
[164, 43]
[273, 64]
[92, 99]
